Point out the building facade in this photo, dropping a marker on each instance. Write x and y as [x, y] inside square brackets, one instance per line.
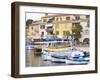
[32, 31]
[60, 25]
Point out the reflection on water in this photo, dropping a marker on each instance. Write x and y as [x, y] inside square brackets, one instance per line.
[33, 60]
[36, 60]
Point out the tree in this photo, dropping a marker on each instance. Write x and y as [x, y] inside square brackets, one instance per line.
[29, 22]
[76, 32]
[66, 34]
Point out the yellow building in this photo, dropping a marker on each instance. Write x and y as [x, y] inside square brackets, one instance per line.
[62, 24]
[57, 25]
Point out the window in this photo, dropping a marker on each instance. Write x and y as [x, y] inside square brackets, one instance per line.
[42, 27]
[57, 32]
[87, 16]
[57, 19]
[77, 17]
[53, 18]
[44, 20]
[67, 18]
[60, 19]
[50, 21]
[42, 34]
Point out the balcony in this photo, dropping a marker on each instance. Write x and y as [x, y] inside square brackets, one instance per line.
[49, 29]
[50, 20]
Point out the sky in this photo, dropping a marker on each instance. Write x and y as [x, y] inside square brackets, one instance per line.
[34, 16]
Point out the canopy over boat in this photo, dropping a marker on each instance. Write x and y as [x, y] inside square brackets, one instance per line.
[51, 38]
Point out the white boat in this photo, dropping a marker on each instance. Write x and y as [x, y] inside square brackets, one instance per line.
[64, 54]
[46, 57]
[75, 62]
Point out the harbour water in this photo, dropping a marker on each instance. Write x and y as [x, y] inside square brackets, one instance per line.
[33, 60]
[37, 60]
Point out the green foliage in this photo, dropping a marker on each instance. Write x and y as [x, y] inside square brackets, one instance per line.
[76, 32]
[67, 33]
[29, 22]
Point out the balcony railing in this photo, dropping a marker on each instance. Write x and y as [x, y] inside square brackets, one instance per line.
[49, 29]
